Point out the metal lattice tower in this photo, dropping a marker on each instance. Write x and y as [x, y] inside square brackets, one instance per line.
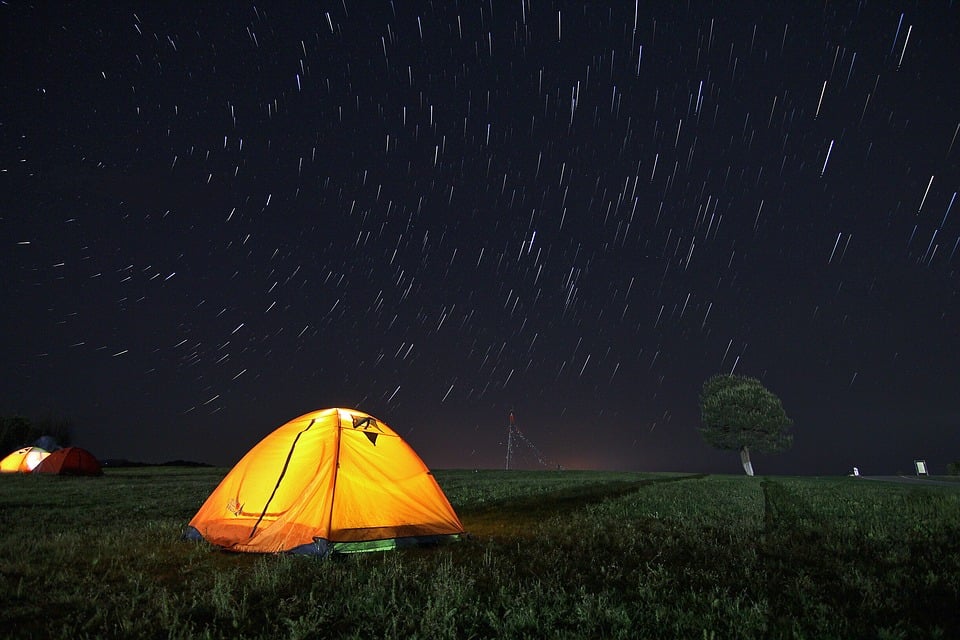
[515, 437]
[510, 430]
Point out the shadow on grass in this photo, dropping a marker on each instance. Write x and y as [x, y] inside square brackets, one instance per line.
[518, 511]
[803, 549]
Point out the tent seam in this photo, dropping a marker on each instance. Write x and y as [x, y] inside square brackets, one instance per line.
[336, 472]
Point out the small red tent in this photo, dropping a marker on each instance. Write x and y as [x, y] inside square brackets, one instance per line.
[71, 461]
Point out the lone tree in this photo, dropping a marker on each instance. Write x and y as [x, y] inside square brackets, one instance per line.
[739, 413]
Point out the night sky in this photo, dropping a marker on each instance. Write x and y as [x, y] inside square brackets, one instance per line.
[216, 218]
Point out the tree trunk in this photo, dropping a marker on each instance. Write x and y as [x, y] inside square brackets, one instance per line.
[745, 460]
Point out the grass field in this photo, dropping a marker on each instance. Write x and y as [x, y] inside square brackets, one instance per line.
[551, 554]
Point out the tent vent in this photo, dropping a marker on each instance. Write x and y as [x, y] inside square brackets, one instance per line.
[366, 422]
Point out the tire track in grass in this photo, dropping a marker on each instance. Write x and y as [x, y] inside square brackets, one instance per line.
[801, 564]
[824, 574]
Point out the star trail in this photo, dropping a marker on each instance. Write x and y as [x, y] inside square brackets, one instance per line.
[215, 219]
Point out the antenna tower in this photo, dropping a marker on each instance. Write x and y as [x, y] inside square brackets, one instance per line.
[510, 429]
[515, 437]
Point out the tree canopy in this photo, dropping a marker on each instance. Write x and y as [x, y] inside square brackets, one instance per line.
[19, 431]
[739, 412]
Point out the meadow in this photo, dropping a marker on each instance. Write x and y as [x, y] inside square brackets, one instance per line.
[551, 554]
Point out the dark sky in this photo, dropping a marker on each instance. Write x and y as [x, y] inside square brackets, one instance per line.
[216, 218]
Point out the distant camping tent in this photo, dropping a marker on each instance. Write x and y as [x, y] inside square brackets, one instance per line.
[331, 481]
[71, 461]
[46, 442]
[23, 460]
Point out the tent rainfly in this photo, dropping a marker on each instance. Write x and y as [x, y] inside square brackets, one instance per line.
[70, 461]
[23, 460]
[330, 481]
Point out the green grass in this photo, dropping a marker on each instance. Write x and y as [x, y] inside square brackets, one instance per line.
[551, 554]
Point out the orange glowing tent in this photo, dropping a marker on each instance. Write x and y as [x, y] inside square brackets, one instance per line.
[70, 461]
[23, 460]
[331, 481]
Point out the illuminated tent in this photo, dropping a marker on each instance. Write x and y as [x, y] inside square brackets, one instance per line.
[23, 460]
[331, 481]
[71, 461]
